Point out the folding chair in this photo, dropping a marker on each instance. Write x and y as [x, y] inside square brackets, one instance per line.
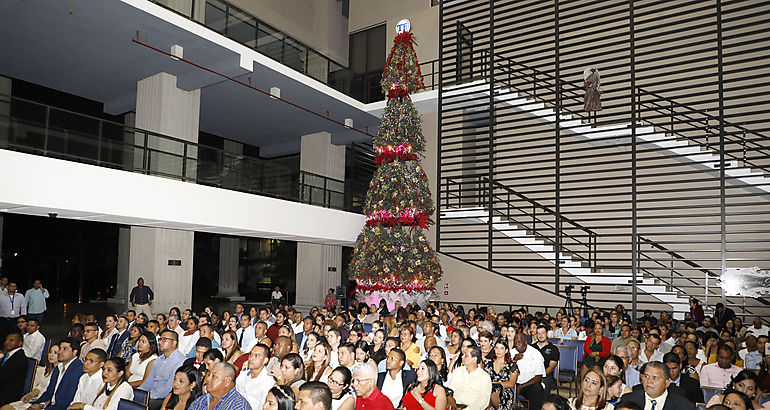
[29, 380]
[567, 368]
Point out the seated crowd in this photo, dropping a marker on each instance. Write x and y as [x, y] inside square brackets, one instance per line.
[436, 356]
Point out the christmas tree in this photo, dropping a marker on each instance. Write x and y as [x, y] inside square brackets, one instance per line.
[392, 258]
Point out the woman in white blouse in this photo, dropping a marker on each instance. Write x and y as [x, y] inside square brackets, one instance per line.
[141, 362]
[109, 329]
[189, 337]
[115, 387]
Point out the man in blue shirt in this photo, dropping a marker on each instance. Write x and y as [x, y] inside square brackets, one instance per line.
[141, 298]
[220, 391]
[36, 297]
[161, 377]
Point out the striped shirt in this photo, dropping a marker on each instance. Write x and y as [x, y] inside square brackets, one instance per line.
[230, 401]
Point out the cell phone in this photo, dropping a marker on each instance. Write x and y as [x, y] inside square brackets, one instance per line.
[767, 349]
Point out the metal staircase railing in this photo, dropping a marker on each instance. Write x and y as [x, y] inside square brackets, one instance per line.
[665, 107]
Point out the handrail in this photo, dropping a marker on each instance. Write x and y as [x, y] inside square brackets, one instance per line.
[106, 142]
[539, 76]
[591, 244]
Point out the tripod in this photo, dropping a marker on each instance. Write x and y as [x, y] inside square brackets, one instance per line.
[568, 303]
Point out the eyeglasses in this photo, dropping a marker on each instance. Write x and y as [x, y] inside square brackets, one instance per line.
[332, 381]
[359, 381]
[166, 338]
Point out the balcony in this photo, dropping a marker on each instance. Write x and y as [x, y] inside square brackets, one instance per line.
[48, 131]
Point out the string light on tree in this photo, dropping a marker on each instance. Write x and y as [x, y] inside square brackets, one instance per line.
[392, 258]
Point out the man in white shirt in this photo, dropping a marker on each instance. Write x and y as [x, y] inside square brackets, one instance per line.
[254, 383]
[34, 341]
[395, 381]
[12, 305]
[245, 333]
[472, 386]
[346, 355]
[758, 328]
[531, 370]
[650, 351]
[91, 381]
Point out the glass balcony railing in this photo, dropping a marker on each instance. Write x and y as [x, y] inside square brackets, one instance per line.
[238, 25]
[40, 129]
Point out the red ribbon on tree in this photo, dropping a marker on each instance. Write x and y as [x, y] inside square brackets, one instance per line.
[398, 92]
[390, 156]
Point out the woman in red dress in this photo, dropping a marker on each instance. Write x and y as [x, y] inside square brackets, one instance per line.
[597, 343]
[427, 392]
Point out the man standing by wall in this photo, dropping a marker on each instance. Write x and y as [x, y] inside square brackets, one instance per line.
[36, 297]
[141, 298]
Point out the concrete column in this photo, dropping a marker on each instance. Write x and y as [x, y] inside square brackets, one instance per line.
[319, 267]
[121, 284]
[5, 108]
[164, 258]
[229, 252]
[163, 108]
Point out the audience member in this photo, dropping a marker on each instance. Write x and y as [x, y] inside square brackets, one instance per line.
[64, 379]
[221, 393]
[688, 385]
[92, 341]
[315, 396]
[746, 382]
[254, 382]
[12, 306]
[34, 341]
[654, 394]
[339, 385]
[186, 389]
[14, 364]
[395, 381]
[531, 370]
[139, 366]
[427, 389]
[365, 387]
[592, 394]
[91, 380]
[471, 385]
[112, 390]
[159, 381]
[719, 374]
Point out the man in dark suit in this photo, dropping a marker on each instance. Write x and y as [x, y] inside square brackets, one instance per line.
[12, 369]
[64, 379]
[722, 315]
[395, 380]
[687, 385]
[307, 327]
[117, 339]
[655, 393]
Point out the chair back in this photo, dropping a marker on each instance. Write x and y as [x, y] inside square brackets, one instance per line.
[709, 392]
[577, 343]
[142, 396]
[568, 358]
[700, 406]
[125, 404]
[44, 356]
[29, 380]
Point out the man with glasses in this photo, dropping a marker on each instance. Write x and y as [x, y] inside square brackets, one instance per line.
[632, 375]
[161, 376]
[92, 341]
[365, 386]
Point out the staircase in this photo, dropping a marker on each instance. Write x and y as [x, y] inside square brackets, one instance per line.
[698, 145]
[580, 264]
[686, 150]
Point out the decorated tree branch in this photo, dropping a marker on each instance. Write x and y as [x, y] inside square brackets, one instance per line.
[392, 258]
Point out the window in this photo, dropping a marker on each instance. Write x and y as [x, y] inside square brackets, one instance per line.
[367, 58]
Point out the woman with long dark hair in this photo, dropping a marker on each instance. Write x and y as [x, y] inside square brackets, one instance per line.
[613, 365]
[427, 392]
[186, 387]
[438, 356]
[115, 387]
[141, 362]
[746, 382]
[377, 352]
[504, 374]
[292, 372]
[279, 398]
[129, 345]
[230, 346]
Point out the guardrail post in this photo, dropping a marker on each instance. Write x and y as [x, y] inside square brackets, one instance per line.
[743, 142]
[671, 115]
